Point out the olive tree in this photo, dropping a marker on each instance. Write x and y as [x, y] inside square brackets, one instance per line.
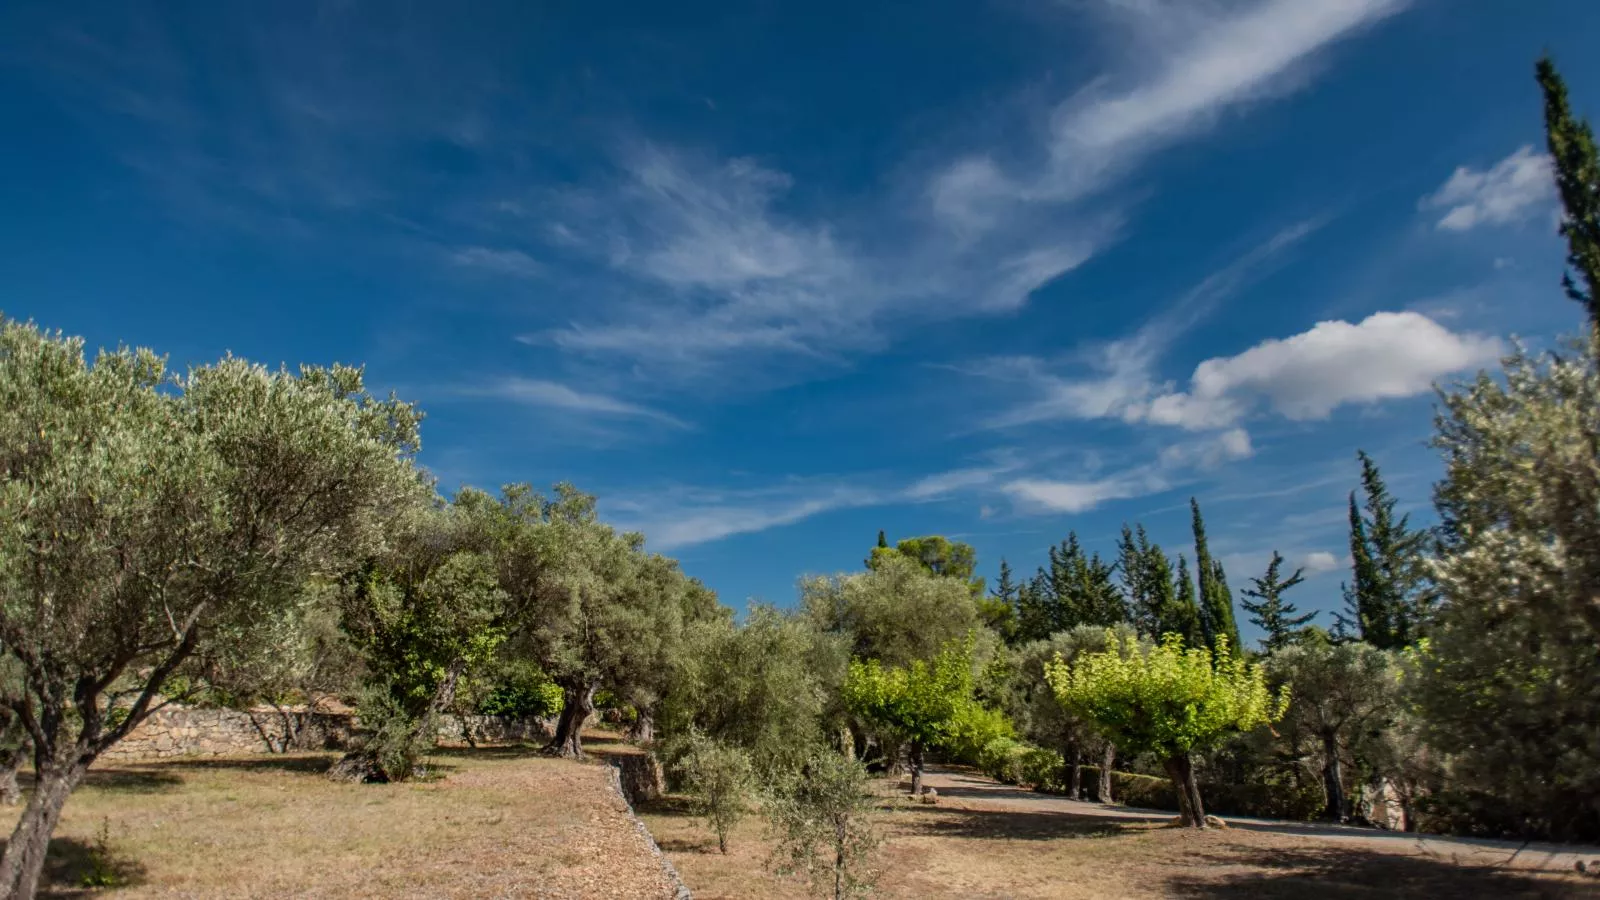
[589, 604]
[895, 612]
[145, 516]
[1342, 693]
[820, 818]
[1169, 702]
[421, 618]
[1508, 679]
[763, 686]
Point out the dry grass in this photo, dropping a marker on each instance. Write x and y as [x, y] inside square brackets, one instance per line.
[969, 849]
[498, 822]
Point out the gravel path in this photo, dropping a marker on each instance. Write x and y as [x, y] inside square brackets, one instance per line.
[1468, 851]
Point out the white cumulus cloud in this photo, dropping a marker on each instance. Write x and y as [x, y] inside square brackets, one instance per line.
[1513, 190]
[1306, 376]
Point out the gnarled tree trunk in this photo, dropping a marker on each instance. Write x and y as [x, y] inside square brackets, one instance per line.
[1333, 777]
[22, 864]
[1107, 759]
[577, 706]
[1191, 812]
[916, 768]
[1075, 763]
[10, 793]
[643, 729]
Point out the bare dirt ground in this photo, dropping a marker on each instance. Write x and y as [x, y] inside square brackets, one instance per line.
[955, 783]
[983, 841]
[498, 822]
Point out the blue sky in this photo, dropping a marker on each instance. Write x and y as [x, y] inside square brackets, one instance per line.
[770, 277]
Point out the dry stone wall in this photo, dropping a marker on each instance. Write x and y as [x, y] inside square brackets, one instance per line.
[178, 731]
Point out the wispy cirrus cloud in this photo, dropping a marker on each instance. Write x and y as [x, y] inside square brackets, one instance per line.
[555, 395]
[748, 281]
[504, 262]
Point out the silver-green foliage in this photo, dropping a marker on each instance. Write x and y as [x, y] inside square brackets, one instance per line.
[720, 778]
[1509, 681]
[145, 516]
[820, 817]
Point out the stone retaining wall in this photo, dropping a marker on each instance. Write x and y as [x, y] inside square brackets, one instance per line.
[174, 731]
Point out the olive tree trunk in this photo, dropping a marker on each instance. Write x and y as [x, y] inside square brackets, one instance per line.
[643, 729]
[916, 768]
[1108, 759]
[1333, 777]
[577, 706]
[1191, 811]
[22, 864]
[10, 793]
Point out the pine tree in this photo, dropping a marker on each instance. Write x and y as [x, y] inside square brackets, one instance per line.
[1272, 614]
[1003, 611]
[1142, 587]
[1387, 598]
[1033, 609]
[1216, 600]
[1183, 617]
[1577, 171]
[1163, 599]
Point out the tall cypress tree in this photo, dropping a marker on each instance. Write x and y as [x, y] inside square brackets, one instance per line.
[1577, 171]
[1271, 613]
[1387, 598]
[1216, 600]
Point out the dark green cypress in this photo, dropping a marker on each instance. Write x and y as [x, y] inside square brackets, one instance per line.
[1216, 600]
[1577, 173]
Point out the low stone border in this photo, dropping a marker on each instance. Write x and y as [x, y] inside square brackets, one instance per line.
[680, 891]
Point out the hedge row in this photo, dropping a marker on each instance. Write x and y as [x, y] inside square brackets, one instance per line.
[1015, 762]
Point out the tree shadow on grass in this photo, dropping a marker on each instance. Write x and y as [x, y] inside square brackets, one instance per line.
[69, 862]
[1013, 825]
[675, 806]
[487, 751]
[1341, 872]
[128, 780]
[304, 764]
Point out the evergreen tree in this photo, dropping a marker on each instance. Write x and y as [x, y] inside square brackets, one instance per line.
[883, 541]
[1033, 609]
[1216, 600]
[1002, 610]
[1577, 171]
[1142, 587]
[1277, 617]
[1163, 599]
[1183, 618]
[1387, 597]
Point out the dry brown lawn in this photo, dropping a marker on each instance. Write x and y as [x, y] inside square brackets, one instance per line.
[497, 822]
[970, 849]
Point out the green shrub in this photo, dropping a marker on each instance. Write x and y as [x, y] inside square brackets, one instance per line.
[395, 741]
[1041, 769]
[526, 697]
[719, 776]
[1001, 759]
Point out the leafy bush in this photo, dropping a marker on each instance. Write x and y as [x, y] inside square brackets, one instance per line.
[1042, 768]
[720, 777]
[821, 822]
[395, 740]
[973, 728]
[1001, 759]
[524, 696]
